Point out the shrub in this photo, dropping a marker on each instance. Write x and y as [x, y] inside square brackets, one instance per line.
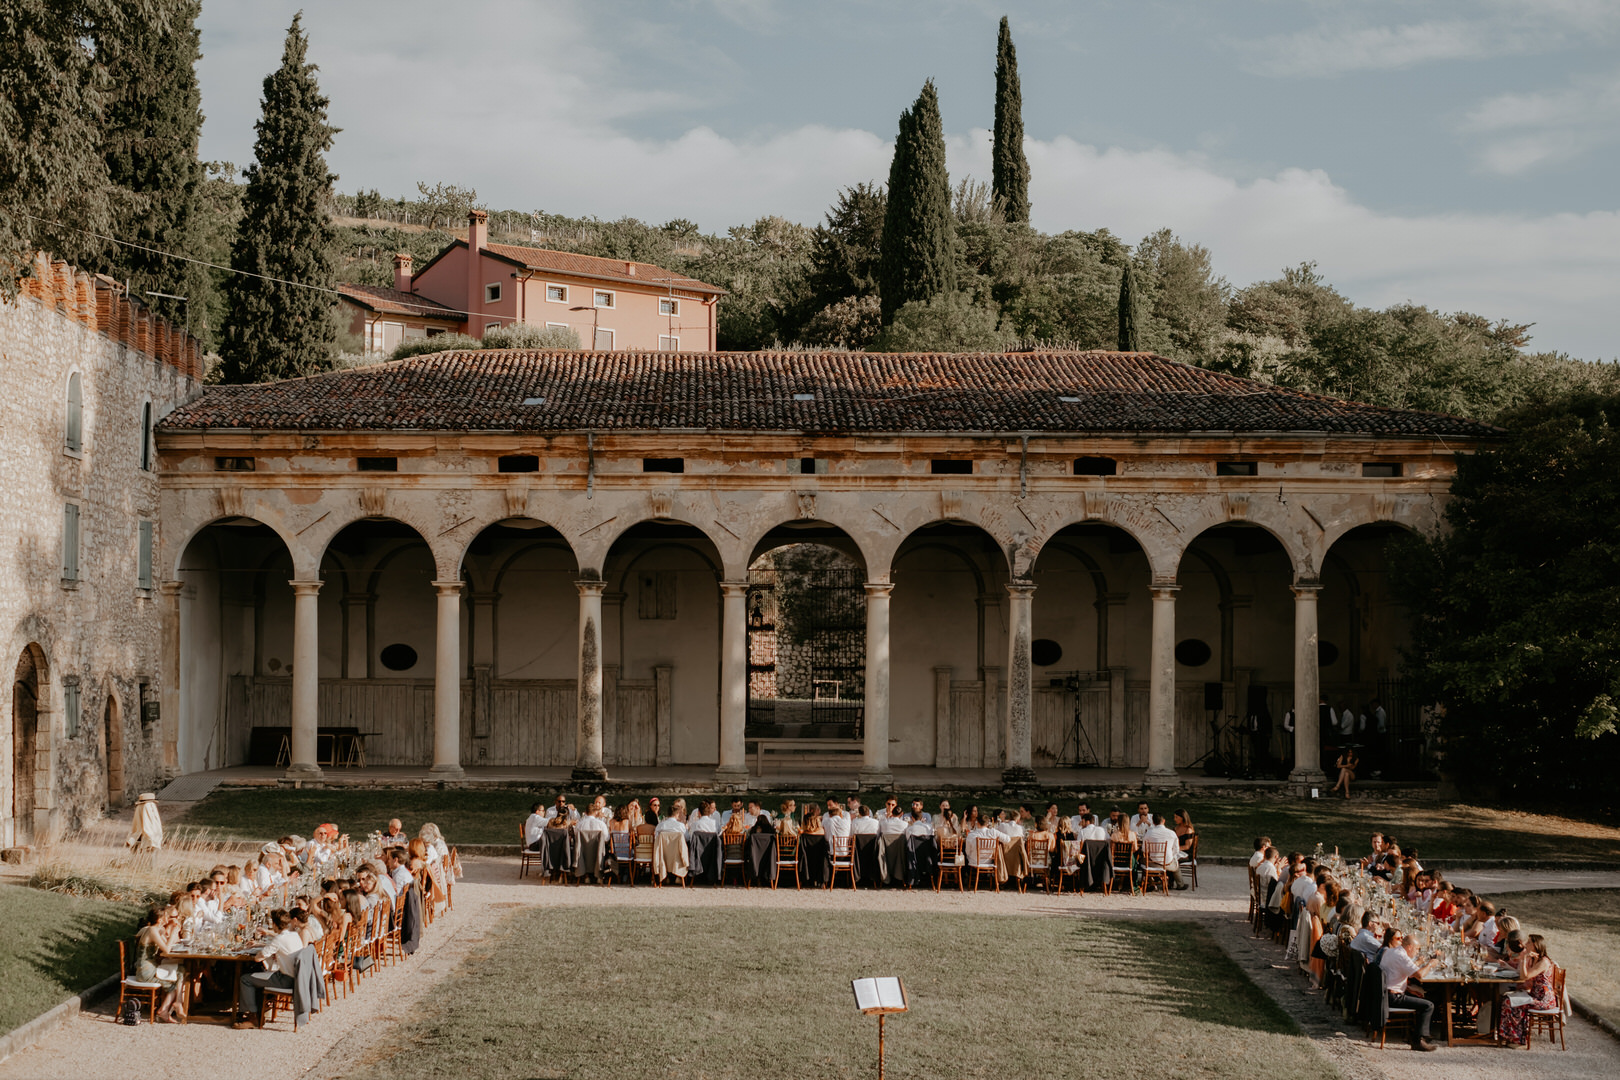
[440, 343]
[950, 322]
[528, 336]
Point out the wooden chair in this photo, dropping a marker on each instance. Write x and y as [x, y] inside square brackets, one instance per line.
[984, 860]
[950, 850]
[1155, 855]
[1040, 864]
[135, 988]
[843, 859]
[1189, 862]
[1549, 1020]
[1122, 858]
[641, 855]
[1401, 1018]
[452, 867]
[526, 856]
[733, 855]
[787, 859]
[331, 975]
[624, 856]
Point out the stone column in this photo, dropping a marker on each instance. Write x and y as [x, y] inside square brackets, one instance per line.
[875, 765]
[588, 759]
[1161, 771]
[733, 768]
[169, 691]
[306, 686]
[1018, 770]
[1307, 691]
[447, 684]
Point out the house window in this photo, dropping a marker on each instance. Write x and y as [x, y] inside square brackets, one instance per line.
[1236, 468]
[669, 307]
[146, 437]
[808, 466]
[492, 293]
[951, 466]
[604, 298]
[663, 464]
[70, 705]
[1095, 466]
[518, 463]
[143, 560]
[667, 343]
[1381, 468]
[377, 464]
[233, 464]
[557, 294]
[655, 594]
[604, 340]
[70, 542]
[434, 331]
[73, 438]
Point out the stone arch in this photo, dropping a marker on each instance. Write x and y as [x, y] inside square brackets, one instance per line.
[31, 746]
[825, 518]
[958, 509]
[185, 540]
[476, 529]
[1418, 516]
[1275, 518]
[521, 601]
[311, 554]
[1158, 541]
[362, 553]
[732, 558]
[73, 418]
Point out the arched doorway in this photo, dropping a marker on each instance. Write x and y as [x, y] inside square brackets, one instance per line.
[112, 728]
[26, 686]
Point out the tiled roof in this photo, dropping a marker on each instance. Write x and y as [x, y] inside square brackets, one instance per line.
[631, 273]
[387, 301]
[850, 393]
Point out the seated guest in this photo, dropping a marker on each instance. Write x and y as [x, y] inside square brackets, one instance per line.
[1079, 820]
[981, 831]
[919, 825]
[561, 809]
[1121, 831]
[812, 822]
[1142, 821]
[592, 823]
[1260, 845]
[733, 826]
[1377, 864]
[891, 808]
[1505, 925]
[399, 870]
[1063, 829]
[705, 820]
[1093, 830]
[654, 810]
[787, 824]
[1049, 820]
[1398, 962]
[1156, 835]
[533, 826]
[892, 823]
[754, 812]
[1513, 946]
[1536, 981]
[1485, 930]
[632, 814]
[919, 814]
[737, 811]
[944, 808]
[1368, 939]
[437, 848]
[1184, 830]
[152, 945]
[1009, 825]
[1265, 874]
[277, 971]
[376, 887]
[835, 822]
[394, 835]
[853, 807]
[865, 824]
[621, 819]
[676, 822]
[762, 821]
[948, 825]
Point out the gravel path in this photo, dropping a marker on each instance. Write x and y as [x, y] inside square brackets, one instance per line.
[349, 1031]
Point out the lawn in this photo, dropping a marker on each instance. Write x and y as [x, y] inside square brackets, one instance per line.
[620, 992]
[53, 946]
[1440, 831]
[1582, 927]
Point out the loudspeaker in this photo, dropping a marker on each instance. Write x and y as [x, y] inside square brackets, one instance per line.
[1214, 696]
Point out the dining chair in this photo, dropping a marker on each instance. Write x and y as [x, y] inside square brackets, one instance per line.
[1552, 1019]
[526, 856]
[1040, 864]
[641, 856]
[1401, 1018]
[135, 988]
[1189, 861]
[733, 854]
[843, 859]
[787, 859]
[1155, 855]
[624, 855]
[1123, 860]
[452, 868]
[950, 854]
[984, 860]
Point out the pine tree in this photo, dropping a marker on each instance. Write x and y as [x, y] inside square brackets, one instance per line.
[1129, 334]
[150, 131]
[276, 330]
[1009, 169]
[918, 260]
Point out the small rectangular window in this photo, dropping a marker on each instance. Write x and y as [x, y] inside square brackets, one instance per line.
[233, 464]
[70, 706]
[557, 294]
[146, 437]
[70, 542]
[377, 464]
[604, 340]
[1236, 468]
[492, 293]
[666, 343]
[603, 298]
[663, 464]
[669, 307]
[1095, 466]
[143, 560]
[951, 466]
[1381, 468]
[517, 463]
[556, 326]
[434, 331]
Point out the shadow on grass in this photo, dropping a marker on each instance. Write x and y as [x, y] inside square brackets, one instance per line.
[55, 946]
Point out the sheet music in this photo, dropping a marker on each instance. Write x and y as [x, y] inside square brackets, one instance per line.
[884, 993]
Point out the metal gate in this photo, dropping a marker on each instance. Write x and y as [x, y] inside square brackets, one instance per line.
[807, 647]
[1408, 745]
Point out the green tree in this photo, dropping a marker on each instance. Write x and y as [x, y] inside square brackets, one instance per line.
[1513, 628]
[949, 322]
[150, 128]
[1189, 300]
[918, 259]
[1009, 169]
[280, 322]
[846, 249]
[1129, 317]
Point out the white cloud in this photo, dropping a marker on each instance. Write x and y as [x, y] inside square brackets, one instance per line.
[1521, 131]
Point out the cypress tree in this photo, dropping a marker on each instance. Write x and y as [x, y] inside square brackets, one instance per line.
[918, 260]
[150, 131]
[274, 330]
[1009, 169]
[1129, 337]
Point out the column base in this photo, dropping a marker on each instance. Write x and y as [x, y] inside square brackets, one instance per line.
[1301, 781]
[588, 772]
[1161, 778]
[304, 771]
[447, 772]
[1019, 776]
[881, 779]
[731, 777]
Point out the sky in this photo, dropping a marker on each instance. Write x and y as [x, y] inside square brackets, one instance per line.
[1455, 153]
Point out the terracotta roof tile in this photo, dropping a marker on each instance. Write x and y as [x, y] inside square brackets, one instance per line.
[852, 393]
[567, 262]
[386, 301]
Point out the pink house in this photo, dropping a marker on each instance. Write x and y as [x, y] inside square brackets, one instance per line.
[610, 303]
[382, 317]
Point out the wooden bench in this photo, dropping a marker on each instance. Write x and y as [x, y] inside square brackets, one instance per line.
[803, 747]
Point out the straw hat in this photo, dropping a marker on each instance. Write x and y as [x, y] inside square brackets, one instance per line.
[145, 796]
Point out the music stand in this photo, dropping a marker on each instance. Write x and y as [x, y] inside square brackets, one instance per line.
[880, 997]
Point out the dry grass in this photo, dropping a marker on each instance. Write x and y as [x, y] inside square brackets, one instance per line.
[95, 863]
[1582, 927]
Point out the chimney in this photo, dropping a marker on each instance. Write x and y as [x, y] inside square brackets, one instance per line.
[630, 268]
[477, 230]
[477, 241]
[402, 272]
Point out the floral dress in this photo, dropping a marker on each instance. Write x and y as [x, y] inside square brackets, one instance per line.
[1514, 1023]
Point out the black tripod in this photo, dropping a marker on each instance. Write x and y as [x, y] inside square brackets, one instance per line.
[1076, 735]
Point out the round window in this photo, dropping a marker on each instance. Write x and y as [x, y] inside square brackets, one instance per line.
[1045, 652]
[1193, 653]
[1327, 654]
[398, 657]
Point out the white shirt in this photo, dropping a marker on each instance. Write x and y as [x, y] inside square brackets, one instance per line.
[920, 828]
[1010, 828]
[551, 812]
[1303, 888]
[1256, 859]
[590, 823]
[670, 824]
[282, 948]
[402, 879]
[981, 833]
[893, 826]
[533, 827]
[864, 826]
[1398, 967]
[1347, 722]
[1160, 834]
[700, 824]
[924, 816]
[1140, 824]
[835, 825]
[1093, 832]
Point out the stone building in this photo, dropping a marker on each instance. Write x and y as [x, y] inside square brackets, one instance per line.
[86, 374]
[537, 559]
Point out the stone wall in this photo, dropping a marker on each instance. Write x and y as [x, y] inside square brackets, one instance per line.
[98, 636]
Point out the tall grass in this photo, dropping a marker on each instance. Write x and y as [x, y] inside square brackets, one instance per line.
[95, 863]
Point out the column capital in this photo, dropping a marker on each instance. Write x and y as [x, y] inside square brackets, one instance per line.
[1020, 589]
[589, 587]
[171, 588]
[879, 588]
[306, 588]
[449, 588]
[1163, 591]
[734, 588]
[1306, 588]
